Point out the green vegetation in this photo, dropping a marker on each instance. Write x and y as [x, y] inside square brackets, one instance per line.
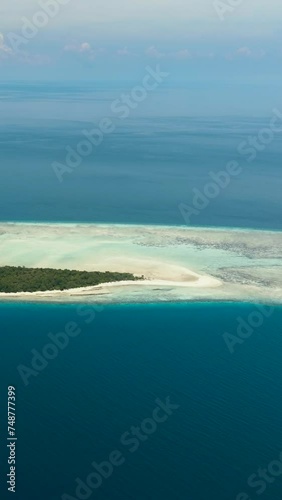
[22, 279]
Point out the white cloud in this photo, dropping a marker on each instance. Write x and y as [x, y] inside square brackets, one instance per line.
[247, 53]
[154, 52]
[157, 54]
[5, 51]
[84, 49]
[124, 52]
[254, 53]
[182, 54]
[244, 51]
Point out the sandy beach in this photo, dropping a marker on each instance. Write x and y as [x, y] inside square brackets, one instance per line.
[178, 263]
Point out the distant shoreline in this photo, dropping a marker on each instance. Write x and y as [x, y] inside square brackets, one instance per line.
[138, 225]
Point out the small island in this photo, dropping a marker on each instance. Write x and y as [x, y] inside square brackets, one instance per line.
[23, 279]
[104, 263]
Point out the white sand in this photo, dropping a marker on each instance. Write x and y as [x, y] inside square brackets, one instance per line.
[178, 263]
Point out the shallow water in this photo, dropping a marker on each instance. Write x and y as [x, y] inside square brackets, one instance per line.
[245, 263]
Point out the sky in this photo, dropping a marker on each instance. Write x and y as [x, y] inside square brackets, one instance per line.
[64, 63]
[195, 40]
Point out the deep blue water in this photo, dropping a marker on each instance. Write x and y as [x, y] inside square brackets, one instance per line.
[227, 425]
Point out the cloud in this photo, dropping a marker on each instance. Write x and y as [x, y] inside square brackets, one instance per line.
[84, 49]
[182, 54]
[154, 52]
[157, 54]
[247, 52]
[244, 51]
[170, 25]
[5, 51]
[22, 57]
[124, 52]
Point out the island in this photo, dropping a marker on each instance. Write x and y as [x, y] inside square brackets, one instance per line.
[24, 279]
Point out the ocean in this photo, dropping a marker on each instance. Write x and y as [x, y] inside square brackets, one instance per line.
[226, 418]
[209, 419]
[143, 171]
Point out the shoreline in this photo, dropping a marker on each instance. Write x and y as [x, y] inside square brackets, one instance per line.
[138, 225]
[200, 281]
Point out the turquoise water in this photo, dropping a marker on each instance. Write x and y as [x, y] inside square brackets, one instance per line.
[107, 379]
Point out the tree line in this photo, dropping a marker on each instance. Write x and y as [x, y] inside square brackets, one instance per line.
[23, 279]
